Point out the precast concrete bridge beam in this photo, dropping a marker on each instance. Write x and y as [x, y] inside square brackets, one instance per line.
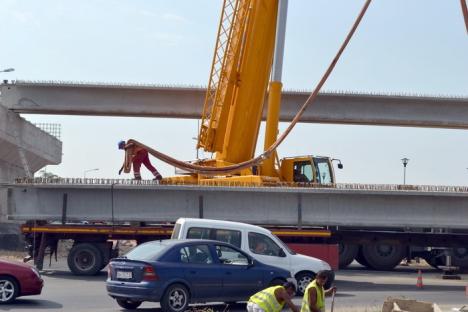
[40, 148]
[187, 102]
[354, 205]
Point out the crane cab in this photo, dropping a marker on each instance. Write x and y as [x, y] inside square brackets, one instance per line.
[308, 169]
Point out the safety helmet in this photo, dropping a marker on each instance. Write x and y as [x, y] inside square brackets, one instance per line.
[121, 144]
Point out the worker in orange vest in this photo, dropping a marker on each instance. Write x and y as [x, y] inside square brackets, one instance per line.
[137, 155]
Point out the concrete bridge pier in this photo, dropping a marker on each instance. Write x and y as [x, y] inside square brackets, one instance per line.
[23, 147]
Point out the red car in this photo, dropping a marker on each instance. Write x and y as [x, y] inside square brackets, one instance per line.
[18, 279]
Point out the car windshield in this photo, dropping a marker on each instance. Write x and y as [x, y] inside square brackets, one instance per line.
[283, 245]
[146, 251]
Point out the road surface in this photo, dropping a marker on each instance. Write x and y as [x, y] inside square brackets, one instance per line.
[358, 290]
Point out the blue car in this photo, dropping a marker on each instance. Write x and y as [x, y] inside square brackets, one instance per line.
[179, 272]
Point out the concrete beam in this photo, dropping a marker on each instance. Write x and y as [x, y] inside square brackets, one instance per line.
[185, 102]
[354, 206]
[40, 147]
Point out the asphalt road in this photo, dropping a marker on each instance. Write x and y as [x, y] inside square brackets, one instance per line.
[358, 290]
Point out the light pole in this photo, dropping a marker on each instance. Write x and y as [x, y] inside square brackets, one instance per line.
[7, 70]
[89, 170]
[405, 163]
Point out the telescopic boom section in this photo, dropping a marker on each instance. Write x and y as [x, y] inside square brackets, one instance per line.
[239, 79]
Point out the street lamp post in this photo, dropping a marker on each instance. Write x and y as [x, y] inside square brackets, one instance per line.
[405, 163]
[89, 170]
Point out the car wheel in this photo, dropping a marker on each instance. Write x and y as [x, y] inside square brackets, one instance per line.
[175, 299]
[303, 279]
[85, 259]
[128, 304]
[8, 289]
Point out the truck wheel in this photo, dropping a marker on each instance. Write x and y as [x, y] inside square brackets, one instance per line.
[347, 253]
[383, 255]
[128, 304]
[303, 279]
[85, 259]
[460, 258]
[360, 258]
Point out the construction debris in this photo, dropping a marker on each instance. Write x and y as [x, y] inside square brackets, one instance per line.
[408, 305]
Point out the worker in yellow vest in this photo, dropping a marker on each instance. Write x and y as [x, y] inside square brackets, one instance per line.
[314, 294]
[272, 299]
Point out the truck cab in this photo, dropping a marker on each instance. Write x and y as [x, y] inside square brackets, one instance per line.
[308, 169]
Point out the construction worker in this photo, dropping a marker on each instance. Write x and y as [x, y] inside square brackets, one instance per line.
[136, 155]
[314, 294]
[272, 299]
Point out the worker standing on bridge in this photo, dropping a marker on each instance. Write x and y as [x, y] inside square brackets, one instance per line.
[314, 294]
[137, 155]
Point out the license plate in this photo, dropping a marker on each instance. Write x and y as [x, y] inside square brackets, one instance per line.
[124, 275]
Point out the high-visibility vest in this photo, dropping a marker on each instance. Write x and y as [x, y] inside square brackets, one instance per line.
[320, 304]
[266, 300]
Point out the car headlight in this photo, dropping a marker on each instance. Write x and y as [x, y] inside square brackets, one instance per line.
[35, 271]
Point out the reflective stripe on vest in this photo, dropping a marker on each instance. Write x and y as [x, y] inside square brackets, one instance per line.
[266, 300]
[320, 304]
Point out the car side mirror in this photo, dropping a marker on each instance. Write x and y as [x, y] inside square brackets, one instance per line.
[282, 254]
[251, 262]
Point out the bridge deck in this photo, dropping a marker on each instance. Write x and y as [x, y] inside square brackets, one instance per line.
[187, 102]
[354, 205]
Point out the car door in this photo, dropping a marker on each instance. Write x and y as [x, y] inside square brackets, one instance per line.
[201, 272]
[240, 278]
[266, 250]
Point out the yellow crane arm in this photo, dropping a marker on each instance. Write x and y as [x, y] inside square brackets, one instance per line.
[239, 79]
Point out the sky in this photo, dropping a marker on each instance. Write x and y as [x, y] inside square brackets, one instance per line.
[401, 47]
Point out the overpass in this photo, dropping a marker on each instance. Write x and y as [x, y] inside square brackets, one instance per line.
[187, 102]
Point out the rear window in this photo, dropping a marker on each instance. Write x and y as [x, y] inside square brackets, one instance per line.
[228, 236]
[147, 251]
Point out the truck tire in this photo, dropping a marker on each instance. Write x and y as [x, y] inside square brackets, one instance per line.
[85, 259]
[383, 255]
[460, 258]
[347, 253]
[360, 258]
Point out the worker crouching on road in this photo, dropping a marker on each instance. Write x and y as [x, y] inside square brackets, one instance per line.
[272, 299]
[136, 155]
[314, 294]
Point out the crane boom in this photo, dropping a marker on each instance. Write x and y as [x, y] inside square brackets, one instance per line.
[239, 79]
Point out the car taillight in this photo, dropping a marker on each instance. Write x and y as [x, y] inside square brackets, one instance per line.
[149, 274]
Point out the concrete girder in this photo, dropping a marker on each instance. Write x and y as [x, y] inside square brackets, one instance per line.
[340, 206]
[40, 148]
[185, 102]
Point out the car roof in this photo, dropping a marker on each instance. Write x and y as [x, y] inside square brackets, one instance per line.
[173, 242]
[222, 224]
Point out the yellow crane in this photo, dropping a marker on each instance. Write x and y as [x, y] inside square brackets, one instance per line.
[249, 50]
[239, 80]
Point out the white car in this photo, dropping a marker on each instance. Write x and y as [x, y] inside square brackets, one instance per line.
[258, 242]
